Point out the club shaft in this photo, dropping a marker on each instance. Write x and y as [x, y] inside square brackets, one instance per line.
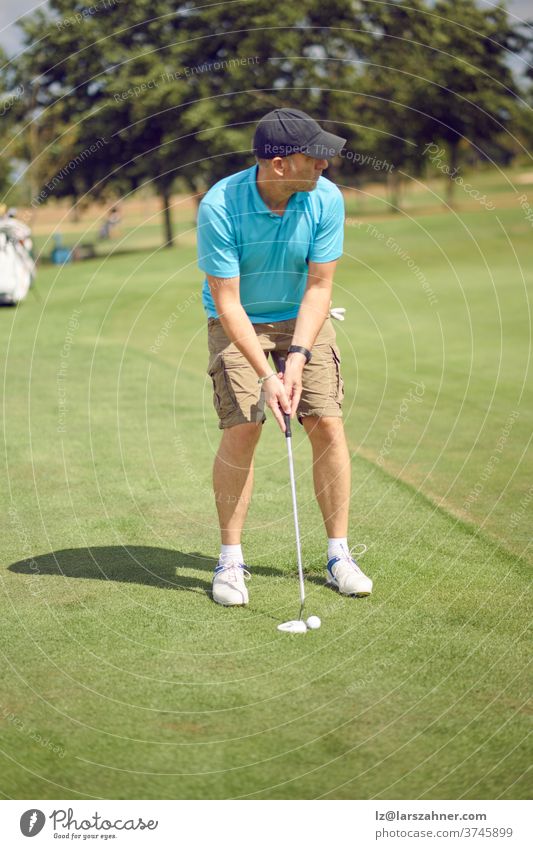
[279, 362]
[296, 525]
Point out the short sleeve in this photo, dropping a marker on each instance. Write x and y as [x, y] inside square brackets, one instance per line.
[329, 237]
[217, 248]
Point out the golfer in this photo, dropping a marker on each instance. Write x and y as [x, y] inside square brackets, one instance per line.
[269, 239]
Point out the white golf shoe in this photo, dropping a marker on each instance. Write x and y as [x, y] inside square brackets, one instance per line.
[229, 588]
[347, 576]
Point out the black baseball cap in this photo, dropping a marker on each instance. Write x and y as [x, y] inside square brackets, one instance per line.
[286, 131]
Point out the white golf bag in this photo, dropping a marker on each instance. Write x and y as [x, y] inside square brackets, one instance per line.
[17, 268]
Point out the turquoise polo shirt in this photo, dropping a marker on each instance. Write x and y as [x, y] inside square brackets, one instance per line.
[239, 236]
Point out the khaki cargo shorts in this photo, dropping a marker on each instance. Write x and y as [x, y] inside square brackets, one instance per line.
[237, 396]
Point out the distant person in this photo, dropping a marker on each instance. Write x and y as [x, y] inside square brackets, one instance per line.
[269, 238]
[113, 220]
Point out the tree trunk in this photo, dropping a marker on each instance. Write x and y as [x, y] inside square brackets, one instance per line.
[394, 187]
[75, 210]
[450, 186]
[34, 144]
[168, 235]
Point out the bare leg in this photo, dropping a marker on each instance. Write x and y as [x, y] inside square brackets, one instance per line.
[331, 471]
[233, 476]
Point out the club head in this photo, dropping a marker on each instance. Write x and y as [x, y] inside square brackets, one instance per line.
[294, 626]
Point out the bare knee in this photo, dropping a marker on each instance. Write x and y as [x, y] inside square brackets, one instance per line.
[240, 440]
[324, 429]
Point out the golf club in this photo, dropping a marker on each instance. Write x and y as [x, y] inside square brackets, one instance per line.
[293, 626]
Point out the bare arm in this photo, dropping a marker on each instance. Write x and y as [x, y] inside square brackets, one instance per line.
[239, 329]
[312, 314]
[236, 324]
[314, 308]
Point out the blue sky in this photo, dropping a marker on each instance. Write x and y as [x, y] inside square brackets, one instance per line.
[10, 10]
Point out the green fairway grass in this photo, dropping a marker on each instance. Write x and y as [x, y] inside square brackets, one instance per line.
[121, 678]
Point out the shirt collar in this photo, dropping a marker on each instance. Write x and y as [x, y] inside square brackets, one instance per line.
[297, 199]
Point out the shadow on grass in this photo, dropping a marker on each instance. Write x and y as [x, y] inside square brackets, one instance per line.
[46, 262]
[134, 564]
[106, 250]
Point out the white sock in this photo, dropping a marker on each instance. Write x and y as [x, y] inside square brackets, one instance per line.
[336, 545]
[231, 552]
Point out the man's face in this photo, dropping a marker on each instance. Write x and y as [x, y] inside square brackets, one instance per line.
[301, 172]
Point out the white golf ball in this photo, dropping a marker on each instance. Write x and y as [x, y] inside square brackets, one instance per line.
[313, 623]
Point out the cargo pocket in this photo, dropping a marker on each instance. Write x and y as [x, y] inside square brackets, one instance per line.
[224, 399]
[211, 370]
[339, 394]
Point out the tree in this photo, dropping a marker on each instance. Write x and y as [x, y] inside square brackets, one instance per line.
[393, 88]
[10, 94]
[157, 90]
[93, 71]
[473, 90]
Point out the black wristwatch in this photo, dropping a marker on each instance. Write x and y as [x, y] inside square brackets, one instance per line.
[297, 349]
